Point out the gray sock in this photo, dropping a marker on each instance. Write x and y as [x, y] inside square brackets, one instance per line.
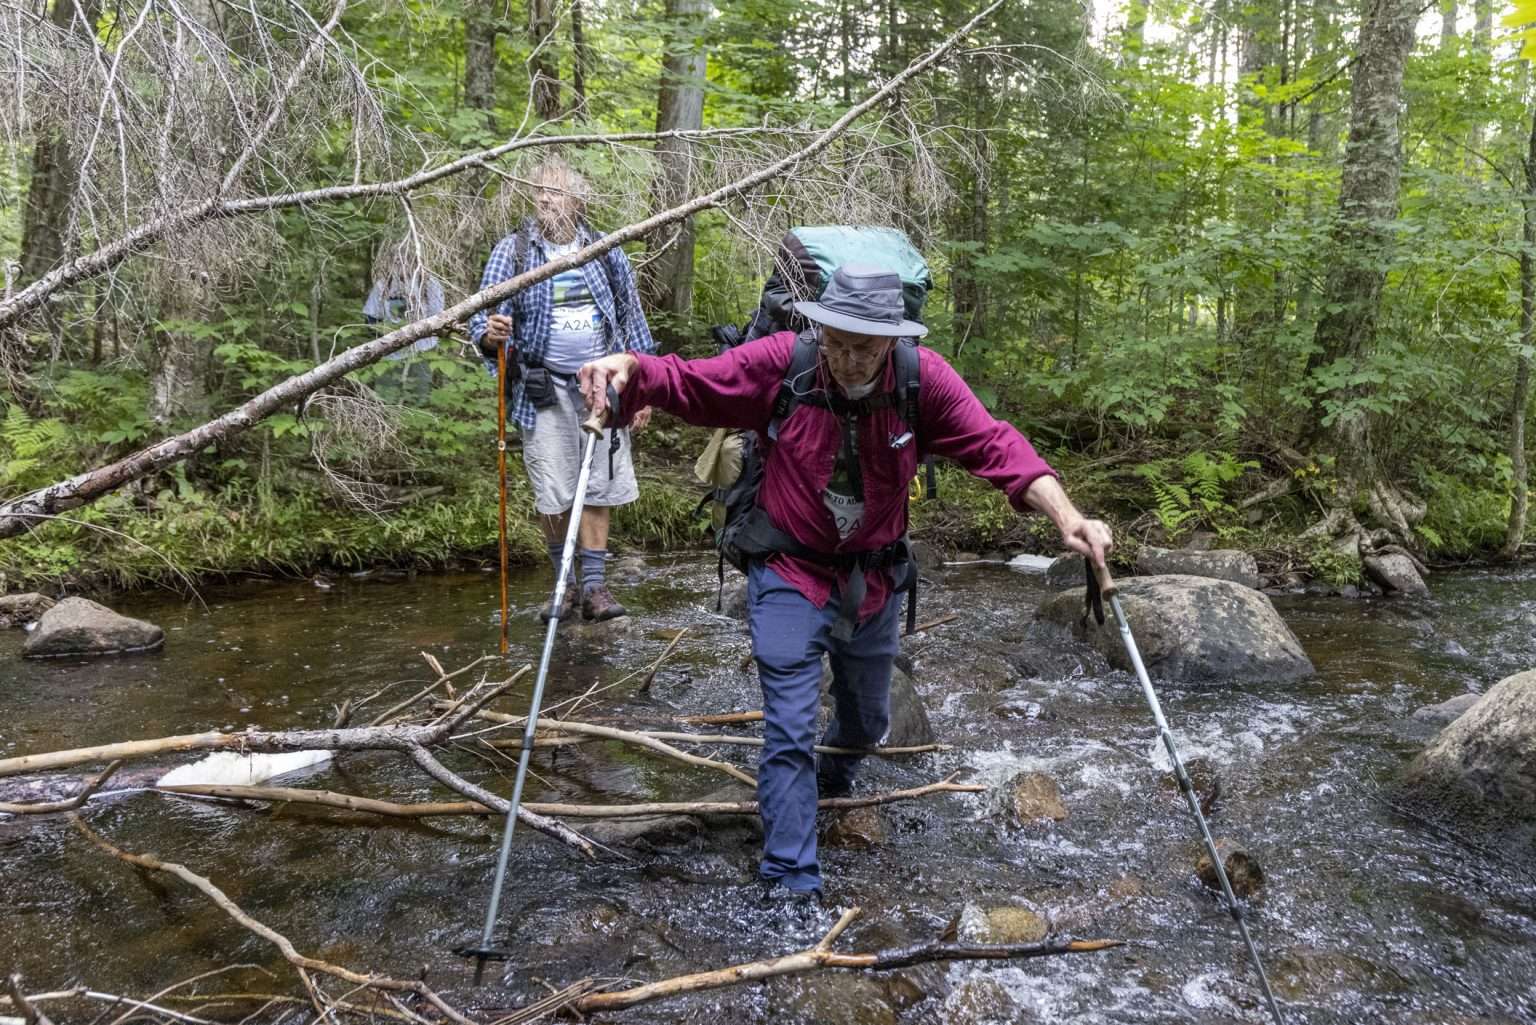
[556, 549]
[594, 564]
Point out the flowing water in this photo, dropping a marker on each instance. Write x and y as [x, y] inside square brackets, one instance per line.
[1369, 915]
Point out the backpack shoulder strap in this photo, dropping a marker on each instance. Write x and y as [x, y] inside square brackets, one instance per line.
[909, 381]
[802, 361]
[520, 247]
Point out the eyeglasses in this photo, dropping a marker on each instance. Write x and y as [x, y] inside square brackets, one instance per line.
[853, 348]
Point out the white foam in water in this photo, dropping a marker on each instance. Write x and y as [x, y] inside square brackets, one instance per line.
[1215, 739]
[227, 768]
[1197, 993]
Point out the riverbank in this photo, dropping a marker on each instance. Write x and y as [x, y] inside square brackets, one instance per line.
[178, 531]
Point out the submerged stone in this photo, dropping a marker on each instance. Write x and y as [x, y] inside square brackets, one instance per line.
[1033, 796]
[1243, 870]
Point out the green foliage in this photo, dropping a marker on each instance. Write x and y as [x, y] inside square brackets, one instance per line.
[27, 446]
[1332, 565]
[1131, 258]
[1194, 491]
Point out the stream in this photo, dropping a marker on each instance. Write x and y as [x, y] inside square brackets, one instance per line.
[1369, 914]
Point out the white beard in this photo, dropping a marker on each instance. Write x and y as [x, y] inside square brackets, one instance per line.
[861, 391]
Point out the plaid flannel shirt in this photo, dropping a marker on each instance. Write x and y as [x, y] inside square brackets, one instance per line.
[532, 309]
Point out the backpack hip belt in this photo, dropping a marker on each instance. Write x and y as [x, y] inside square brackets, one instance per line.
[758, 538]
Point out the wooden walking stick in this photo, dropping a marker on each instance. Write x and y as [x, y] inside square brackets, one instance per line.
[501, 472]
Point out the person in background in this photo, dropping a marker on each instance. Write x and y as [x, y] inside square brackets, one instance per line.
[549, 330]
[403, 292]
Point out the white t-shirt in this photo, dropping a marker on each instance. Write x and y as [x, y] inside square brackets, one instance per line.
[846, 508]
[576, 325]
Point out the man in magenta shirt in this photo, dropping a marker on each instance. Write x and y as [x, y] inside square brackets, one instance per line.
[811, 493]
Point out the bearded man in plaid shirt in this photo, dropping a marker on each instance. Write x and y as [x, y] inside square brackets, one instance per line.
[549, 330]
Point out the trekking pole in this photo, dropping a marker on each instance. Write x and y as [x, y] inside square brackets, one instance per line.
[485, 952]
[1101, 584]
[501, 472]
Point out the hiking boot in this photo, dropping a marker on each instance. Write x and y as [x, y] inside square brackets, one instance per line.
[776, 894]
[567, 607]
[600, 604]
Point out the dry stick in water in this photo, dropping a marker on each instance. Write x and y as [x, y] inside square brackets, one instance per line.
[91, 786]
[723, 718]
[822, 956]
[516, 743]
[650, 676]
[627, 737]
[29, 1014]
[351, 802]
[285, 946]
[442, 678]
[412, 741]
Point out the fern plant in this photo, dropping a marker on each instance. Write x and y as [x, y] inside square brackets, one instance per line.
[1193, 490]
[27, 445]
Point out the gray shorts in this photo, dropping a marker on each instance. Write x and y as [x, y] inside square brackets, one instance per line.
[552, 456]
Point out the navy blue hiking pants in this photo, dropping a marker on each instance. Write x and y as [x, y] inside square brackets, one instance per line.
[789, 636]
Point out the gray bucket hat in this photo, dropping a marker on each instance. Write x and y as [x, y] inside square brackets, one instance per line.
[863, 300]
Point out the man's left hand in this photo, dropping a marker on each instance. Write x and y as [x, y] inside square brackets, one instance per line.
[640, 419]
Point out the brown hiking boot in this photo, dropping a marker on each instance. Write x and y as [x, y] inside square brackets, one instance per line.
[600, 604]
[567, 607]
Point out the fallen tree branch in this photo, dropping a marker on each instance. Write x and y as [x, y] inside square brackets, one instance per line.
[29, 1014]
[351, 802]
[411, 741]
[147, 234]
[723, 718]
[650, 676]
[442, 678]
[822, 956]
[440, 772]
[285, 946]
[630, 737]
[43, 808]
[357, 738]
[23, 513]
[516, 743]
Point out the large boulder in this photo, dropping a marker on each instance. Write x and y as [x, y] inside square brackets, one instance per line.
[657, 831]
[1394, 573]
[1483, 765]
[1065, 572]
[909, 716]
[1190, 630]
[1447, 711]
[78, 626]
[1217, 563]
[21, 609]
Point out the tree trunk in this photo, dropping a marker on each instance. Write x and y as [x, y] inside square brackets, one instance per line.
[1521, 396]
[178, 383]
[46, 236]
[668, 277]
[1482, 28]
[1448, 15]
[1134, 39]
[581, 61]
[543, 66]
[1368, 203]
[480, 29]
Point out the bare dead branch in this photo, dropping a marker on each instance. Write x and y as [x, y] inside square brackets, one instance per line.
[46, 807]
[440, 772]
[285, 946]
[822, 956]
[19, 515]
[29, 1014]
[436, 809]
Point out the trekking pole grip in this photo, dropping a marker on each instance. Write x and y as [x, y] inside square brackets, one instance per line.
[1107, 586]
[596, 422]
